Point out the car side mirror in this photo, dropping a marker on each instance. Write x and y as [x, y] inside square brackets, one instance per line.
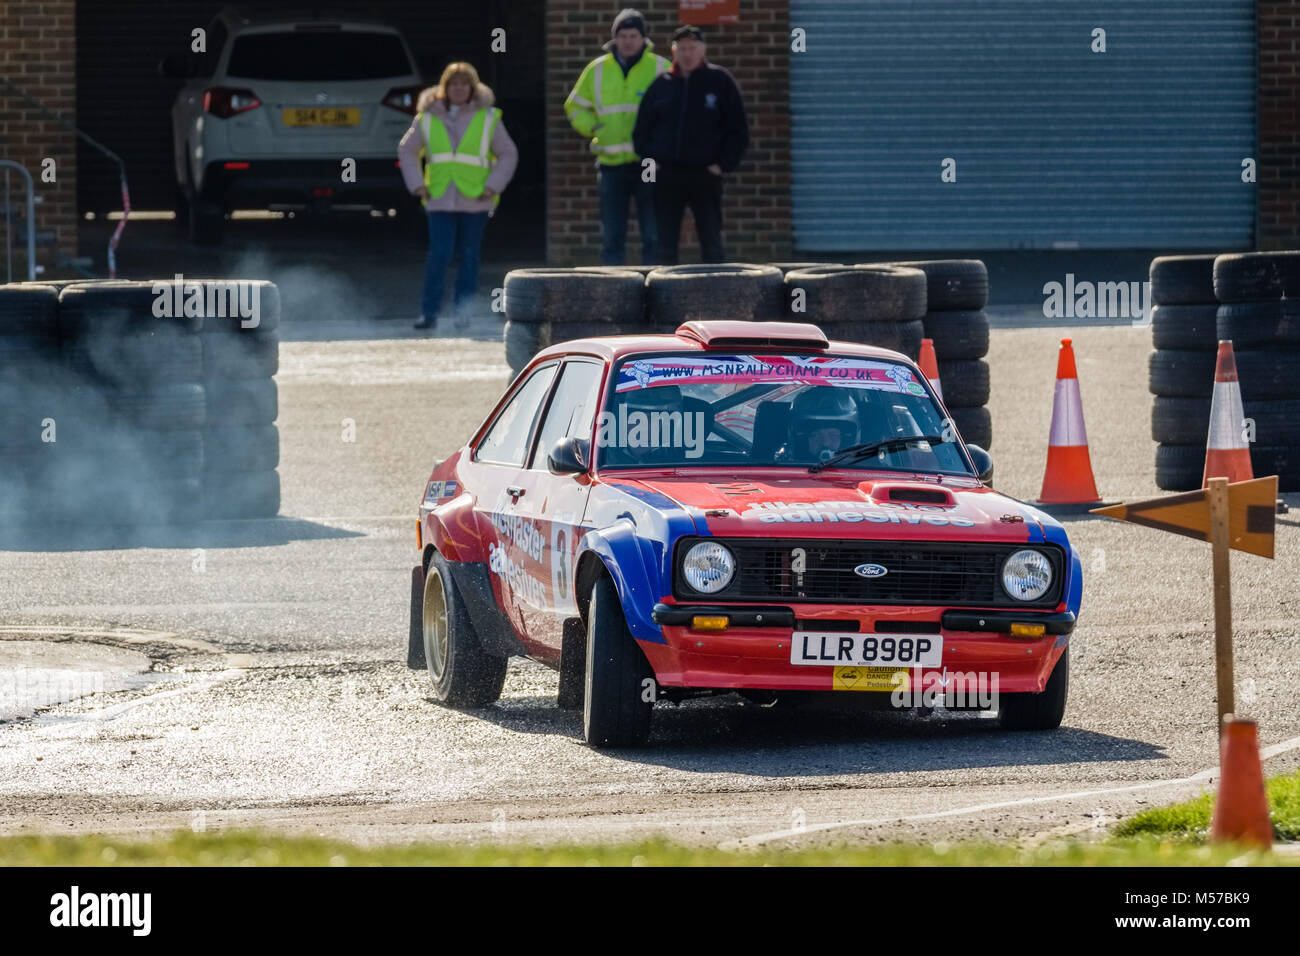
[983, 462]
[569, 456]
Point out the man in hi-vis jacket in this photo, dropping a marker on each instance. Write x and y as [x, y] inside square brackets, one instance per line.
[603, 106]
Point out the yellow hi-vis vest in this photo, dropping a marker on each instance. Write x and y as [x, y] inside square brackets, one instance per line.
[603, 97]
[469, 165]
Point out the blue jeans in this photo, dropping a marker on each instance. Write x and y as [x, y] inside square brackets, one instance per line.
[618, 186]
[460, 233]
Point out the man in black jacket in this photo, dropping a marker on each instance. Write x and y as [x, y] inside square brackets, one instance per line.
[692, 124]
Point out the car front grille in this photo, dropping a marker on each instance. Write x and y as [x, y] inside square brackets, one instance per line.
[918, 573]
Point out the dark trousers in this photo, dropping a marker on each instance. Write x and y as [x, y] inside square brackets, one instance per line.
[678, 187]
[620, 185]
[452, 233]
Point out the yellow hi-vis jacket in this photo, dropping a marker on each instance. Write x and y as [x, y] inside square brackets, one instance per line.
[469, 165]
[603, 103]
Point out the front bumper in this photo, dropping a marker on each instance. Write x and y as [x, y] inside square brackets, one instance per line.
[755, 654]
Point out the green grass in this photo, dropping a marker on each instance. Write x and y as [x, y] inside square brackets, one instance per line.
[1163, 836]
[243, 848]
[1190, 821]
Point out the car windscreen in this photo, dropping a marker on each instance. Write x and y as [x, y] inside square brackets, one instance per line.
[746, 410]
[318, 57]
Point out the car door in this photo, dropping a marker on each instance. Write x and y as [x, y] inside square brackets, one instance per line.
[551, 507]
[492, 475]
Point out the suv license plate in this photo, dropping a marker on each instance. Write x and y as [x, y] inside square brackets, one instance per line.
[319, 116]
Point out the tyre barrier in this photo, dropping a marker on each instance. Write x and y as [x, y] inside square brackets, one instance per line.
[545, 306]
[882, 304]
[957, 290]
[725, 290]
[104, 406]
[240, 440]
[1253, 300]
[1259, 311]
[1180, 369]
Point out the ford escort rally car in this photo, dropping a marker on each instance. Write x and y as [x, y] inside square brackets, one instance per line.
[739, 506]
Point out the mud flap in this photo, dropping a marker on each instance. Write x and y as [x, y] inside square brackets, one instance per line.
[491, 626]
[415, 643]
[573, 665]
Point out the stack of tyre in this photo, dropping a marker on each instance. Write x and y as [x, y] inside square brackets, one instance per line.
[241, 444]
[545, 306]
[1259, 312]
[45, 412]
[1180, 370]
[875, 304]
[117, 407]
[957, 290]
[723, 290]
[145, 465]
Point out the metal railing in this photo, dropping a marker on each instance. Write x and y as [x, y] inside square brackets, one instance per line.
[7, 165]
[61, 120]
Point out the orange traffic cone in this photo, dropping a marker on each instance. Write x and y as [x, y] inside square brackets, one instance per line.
[930, 366]
[1241, 811]
[1068, 484]
[1226, 453]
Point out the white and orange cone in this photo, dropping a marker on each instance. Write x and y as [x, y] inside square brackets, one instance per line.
[1068, 484]
[1226, 453]
[930, 366]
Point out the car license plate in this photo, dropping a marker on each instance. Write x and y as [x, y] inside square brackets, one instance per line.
[322, 116]
[835, 648]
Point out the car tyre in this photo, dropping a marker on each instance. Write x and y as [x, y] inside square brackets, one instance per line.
[460, 673]
[615, 712]
[1041, 711]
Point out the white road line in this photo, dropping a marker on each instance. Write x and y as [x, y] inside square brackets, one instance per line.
[745, 843]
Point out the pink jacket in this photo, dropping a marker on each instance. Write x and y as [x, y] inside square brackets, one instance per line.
[503, 147]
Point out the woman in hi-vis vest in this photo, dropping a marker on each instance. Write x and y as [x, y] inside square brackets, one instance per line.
[469, 159]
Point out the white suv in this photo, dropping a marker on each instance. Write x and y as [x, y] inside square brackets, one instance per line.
[268, 115]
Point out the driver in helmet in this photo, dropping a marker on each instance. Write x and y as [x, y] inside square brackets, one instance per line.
[823, 420]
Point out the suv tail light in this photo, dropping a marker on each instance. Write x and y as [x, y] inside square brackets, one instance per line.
[402, 98]
[224, 102]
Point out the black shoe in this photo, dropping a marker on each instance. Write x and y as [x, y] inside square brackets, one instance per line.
[426, 324]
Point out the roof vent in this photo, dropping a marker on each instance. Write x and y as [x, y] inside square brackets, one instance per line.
[720, 333]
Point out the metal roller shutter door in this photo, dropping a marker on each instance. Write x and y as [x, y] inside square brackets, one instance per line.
[1056, 146]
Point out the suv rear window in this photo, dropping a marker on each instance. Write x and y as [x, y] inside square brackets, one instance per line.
[314, 57]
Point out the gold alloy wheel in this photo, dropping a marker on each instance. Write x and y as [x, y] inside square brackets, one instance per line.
[435, 625]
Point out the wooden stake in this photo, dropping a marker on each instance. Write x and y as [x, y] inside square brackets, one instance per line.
[1217, 493]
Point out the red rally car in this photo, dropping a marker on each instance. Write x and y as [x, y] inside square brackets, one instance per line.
[739, 506]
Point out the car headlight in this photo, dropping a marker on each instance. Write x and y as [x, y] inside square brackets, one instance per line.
[1027, 575]
[708, 567]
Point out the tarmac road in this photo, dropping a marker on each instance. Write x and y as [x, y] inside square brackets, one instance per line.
[278, 694]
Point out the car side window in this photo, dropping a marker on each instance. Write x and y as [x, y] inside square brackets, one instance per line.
[506, 441]
[572, 409]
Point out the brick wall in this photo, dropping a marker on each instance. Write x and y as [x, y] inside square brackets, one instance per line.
[38, 55]
[756, 203]
[1279, 124]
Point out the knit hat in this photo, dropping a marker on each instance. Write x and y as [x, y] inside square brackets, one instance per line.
[628, 19]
